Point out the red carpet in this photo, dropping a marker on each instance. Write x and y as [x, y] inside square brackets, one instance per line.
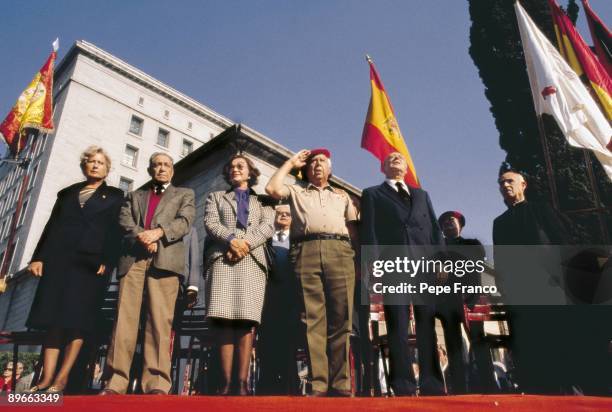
[498, 403]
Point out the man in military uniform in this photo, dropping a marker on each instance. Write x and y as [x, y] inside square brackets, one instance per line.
[323, 259]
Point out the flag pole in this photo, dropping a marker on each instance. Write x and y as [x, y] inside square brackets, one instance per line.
[548, 163]
[598, 210]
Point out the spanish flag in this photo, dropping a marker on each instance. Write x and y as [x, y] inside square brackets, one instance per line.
[581, 58]
[602, 38]
[34, 108]
[381, 132]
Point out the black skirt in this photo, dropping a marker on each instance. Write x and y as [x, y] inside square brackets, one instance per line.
[69, 294]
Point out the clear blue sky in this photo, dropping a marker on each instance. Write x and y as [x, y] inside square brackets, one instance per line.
[295, 71]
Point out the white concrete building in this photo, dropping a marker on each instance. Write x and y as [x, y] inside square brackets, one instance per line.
[100, 100]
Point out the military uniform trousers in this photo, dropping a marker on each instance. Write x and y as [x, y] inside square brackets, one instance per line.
[162, 290]
[326, 273]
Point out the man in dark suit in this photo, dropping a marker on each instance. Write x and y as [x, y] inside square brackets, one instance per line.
[537, 339]
[279, 325]
[394, 214]
[154, 220]
[460, 248]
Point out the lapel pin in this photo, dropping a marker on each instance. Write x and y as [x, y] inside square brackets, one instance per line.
[103, 196]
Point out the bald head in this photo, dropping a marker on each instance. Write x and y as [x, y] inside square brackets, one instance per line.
[512, 187]
[282, 221]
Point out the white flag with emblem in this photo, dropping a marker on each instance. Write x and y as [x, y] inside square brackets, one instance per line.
[557, 90]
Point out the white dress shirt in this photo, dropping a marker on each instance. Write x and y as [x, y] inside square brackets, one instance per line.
[393, 183]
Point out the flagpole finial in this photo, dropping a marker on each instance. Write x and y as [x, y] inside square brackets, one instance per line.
[369, 59]
[56, 44]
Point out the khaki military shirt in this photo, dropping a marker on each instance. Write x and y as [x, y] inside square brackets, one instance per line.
[315, 210]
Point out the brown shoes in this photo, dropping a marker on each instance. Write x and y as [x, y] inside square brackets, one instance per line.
[156, 392]
[317, 394]
[106, 392]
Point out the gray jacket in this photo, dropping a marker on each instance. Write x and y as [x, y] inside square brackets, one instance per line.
[193, 272]
[174, 214]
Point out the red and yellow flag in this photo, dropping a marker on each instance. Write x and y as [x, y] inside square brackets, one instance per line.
[381, 132]
[580, 58]
[34, 108]
[602, 37]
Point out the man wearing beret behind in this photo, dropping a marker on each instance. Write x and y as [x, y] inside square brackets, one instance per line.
[452, 224]
[321, 229]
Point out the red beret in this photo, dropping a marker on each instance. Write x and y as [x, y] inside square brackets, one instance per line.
[318, 151]
[452, 213]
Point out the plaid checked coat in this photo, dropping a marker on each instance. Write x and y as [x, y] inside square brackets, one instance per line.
[236, 290]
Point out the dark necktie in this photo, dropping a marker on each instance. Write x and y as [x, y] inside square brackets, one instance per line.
[159, 189]
[403, 193]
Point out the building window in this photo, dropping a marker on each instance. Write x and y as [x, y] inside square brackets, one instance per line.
[187, 147]
[5, 229]
[189, 125]
[166, 114]
[140, 101]
[163, 137]
[40, 147]
[13, 196]
[136, 125]
[130, 156]
[33, 176]
[125, 184]
[24, 209]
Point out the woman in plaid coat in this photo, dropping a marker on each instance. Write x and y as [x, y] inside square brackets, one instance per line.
[238, 226]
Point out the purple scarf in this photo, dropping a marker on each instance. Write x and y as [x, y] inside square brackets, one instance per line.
[242, 198]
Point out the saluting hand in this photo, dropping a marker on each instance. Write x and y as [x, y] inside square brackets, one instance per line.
[299, 159]
[36, 268]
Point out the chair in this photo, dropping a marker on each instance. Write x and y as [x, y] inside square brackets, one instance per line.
[191, 325]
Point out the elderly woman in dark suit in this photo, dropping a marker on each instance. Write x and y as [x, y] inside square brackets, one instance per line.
[238, 226]
[75, 254]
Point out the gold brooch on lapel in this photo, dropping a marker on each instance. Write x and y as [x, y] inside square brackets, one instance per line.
[103, 196]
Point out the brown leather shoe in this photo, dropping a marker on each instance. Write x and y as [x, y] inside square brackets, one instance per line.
[341, 393]
[106, 392]
[156, 392]
[317, 394]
